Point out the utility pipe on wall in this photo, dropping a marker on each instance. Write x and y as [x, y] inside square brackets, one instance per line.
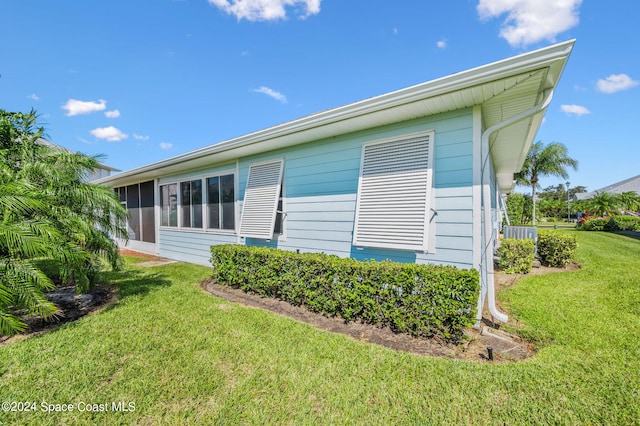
[486, 263]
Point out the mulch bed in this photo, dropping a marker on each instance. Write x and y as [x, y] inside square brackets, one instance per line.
[473, 348]
[71, 306]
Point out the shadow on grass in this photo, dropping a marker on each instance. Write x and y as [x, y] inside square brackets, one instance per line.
[132, 282]
[631, 234]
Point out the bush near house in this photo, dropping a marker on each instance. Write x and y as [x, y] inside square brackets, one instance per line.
[422, 300]
[516, 256]
[556, 249]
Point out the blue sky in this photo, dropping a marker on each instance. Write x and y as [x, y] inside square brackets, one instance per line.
[145, 80]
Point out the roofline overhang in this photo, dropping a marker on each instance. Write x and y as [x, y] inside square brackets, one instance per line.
[343, 119]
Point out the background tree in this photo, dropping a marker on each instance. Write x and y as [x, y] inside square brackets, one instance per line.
[48, 212]
[550, 160]
[518, 208]
[602, 204]
[629, 200]
[552, 200]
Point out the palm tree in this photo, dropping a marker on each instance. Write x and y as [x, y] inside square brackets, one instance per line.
[629, 200]
[602, 204]
[48, 212]
[550, 160]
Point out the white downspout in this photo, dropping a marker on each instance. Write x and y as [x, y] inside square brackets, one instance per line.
[504, 211]
[486, 277]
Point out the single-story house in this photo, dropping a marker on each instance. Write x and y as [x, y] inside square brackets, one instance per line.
[627, 185]
[412, 175]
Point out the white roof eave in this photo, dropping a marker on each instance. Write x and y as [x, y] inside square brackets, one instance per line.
[352, 117]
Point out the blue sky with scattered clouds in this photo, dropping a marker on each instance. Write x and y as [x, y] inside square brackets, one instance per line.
[141, 81]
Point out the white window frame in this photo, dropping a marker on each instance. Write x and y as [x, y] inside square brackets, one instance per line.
[178, 196]
[205, 200]
[234, 173]
[191, 209]
[259, 208]
[375, 222]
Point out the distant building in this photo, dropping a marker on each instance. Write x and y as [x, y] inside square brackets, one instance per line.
[102, 171]
[628, 185]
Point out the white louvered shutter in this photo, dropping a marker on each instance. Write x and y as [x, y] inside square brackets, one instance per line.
[261, 200]
[394, 193]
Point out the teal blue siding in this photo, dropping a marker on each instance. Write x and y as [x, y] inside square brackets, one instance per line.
[321, 181]
[190, 246]
[320, 190]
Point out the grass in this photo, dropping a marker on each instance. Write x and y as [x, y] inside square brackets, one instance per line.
[185, 357]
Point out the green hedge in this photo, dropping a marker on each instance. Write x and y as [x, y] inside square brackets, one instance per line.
[556, 249]
[595, 224]
[422, 300]
[614, 223]
[516, 255]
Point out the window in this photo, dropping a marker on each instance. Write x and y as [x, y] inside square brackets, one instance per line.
[394, 193]
[138, 199]
[261, 197]
[221, 202]
[133, 207]
[191, 203]
[169, 205]
[187, 204]
[147, 214]
[277, 226]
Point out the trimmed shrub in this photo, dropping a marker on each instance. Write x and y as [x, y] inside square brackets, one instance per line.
[614, 223]
[422, 300]
[595, 224]
[516, 255]
[556, 249]
[626, 223]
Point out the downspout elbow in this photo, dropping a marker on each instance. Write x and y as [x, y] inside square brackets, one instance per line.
[489, 286]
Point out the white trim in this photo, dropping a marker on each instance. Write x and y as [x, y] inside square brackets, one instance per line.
[376, 228]
[157, 212]
[381, 109]
[236, 182]
[261, 199]
[205, 202]
[203, 178]
[477, 186]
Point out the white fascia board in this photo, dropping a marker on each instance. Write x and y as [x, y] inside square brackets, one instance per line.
[296, 128]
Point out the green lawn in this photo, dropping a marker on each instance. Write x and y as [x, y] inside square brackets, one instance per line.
[183, 356]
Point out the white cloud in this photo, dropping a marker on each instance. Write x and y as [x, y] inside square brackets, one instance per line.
[110, 134]
[573, 109]
[34, 97]
[140, 137]
[267, 10]
[76, 107]
[83, 140]
[270, 92]
[442, 44]
[112, 114]
[395, 31]
[615, 83]
[531, 21]
[165, 145]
